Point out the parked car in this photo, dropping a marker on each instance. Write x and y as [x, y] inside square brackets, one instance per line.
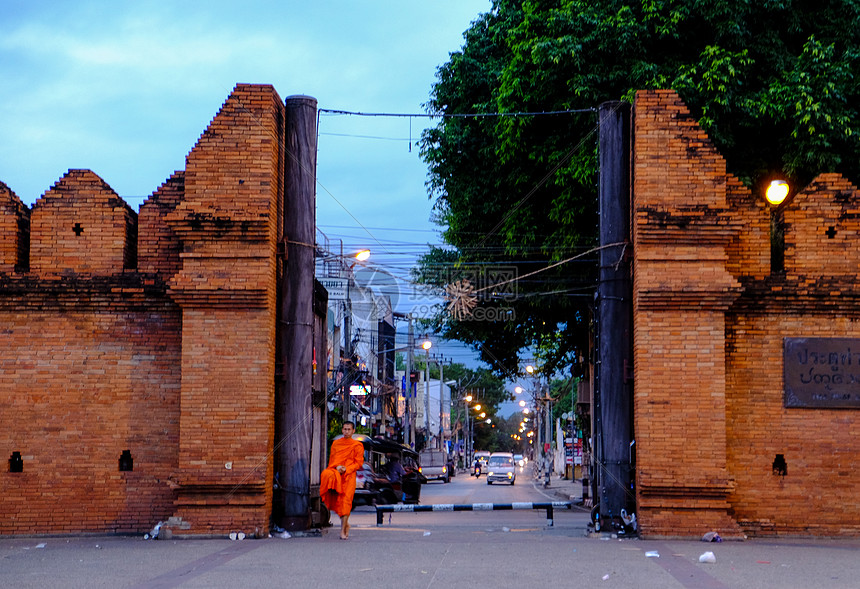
[520, 460]
[501, 468]
[434, 465]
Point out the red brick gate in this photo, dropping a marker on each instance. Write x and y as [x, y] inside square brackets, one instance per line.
[711, 322]
[137, 352]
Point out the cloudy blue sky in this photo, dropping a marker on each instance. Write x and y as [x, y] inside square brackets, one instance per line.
[125, 89]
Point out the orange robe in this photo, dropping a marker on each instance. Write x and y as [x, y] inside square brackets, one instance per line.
[336, 489]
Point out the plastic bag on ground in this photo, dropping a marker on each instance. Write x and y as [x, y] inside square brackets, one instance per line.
[708, 557]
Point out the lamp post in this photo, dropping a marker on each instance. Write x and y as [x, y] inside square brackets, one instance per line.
[468, 445]
[543, 410]
[775, 194]
[336, 271]
[439, 443]
[427, 344]
[410, 363]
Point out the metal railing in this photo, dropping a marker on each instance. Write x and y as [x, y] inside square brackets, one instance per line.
[400, 507]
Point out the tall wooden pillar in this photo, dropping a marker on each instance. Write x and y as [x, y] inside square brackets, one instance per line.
[296, 324]
[613, 410]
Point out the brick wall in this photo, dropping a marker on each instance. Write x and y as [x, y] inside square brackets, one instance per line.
[158, 246]
[81, 225]
[709, 323]
[816, 296]
[229, 227]
[14, 231]
[85, 376]
[151, 333]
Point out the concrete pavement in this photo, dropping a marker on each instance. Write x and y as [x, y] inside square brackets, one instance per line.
[503, 549]
[433, 550]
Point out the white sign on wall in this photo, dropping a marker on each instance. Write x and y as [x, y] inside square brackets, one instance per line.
[338, 288]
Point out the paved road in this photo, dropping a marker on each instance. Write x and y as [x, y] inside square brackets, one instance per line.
[432, 550]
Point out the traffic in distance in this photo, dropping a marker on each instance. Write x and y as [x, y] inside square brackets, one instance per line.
[393, 473]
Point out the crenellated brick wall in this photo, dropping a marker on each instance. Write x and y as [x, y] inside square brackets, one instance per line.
[14, 231]
[81, 226]
[710, 318]
[151, 333]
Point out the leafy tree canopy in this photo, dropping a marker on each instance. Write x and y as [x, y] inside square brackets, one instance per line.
[773, 83]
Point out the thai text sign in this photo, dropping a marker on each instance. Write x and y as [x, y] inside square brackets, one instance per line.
[822, 372]
[338, 288]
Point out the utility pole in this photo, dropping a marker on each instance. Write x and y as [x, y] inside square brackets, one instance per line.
[427, 396]
[296, 313]
[347, 349]
[441, 397]
[410, 351]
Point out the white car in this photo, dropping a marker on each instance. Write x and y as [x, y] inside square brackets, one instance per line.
[501, 468]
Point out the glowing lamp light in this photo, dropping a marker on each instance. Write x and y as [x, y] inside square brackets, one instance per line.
[427, 344]
[468, 398]
[477, 407]
[518, 390]
[776, 192]
[362, 256]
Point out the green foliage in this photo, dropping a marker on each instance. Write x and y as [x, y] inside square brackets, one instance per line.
[771, 81]
[563, 393]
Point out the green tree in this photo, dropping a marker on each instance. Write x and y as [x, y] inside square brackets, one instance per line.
[772, 82]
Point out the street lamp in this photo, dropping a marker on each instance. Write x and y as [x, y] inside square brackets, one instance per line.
[427, 344]
[468, 445]
[776, 192]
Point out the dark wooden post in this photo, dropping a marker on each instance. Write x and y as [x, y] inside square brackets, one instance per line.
[296, 328]
[613, 395]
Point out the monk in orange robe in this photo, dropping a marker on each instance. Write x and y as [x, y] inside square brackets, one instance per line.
[337, 482]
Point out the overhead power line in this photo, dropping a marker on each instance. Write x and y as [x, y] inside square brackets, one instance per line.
[458, 115]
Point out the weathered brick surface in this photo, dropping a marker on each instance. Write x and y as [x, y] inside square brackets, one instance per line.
[228, 224]
[152, 333]
[14, 232]
[82, 226]
[158, 246]
[81, 383]
[709, 323]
